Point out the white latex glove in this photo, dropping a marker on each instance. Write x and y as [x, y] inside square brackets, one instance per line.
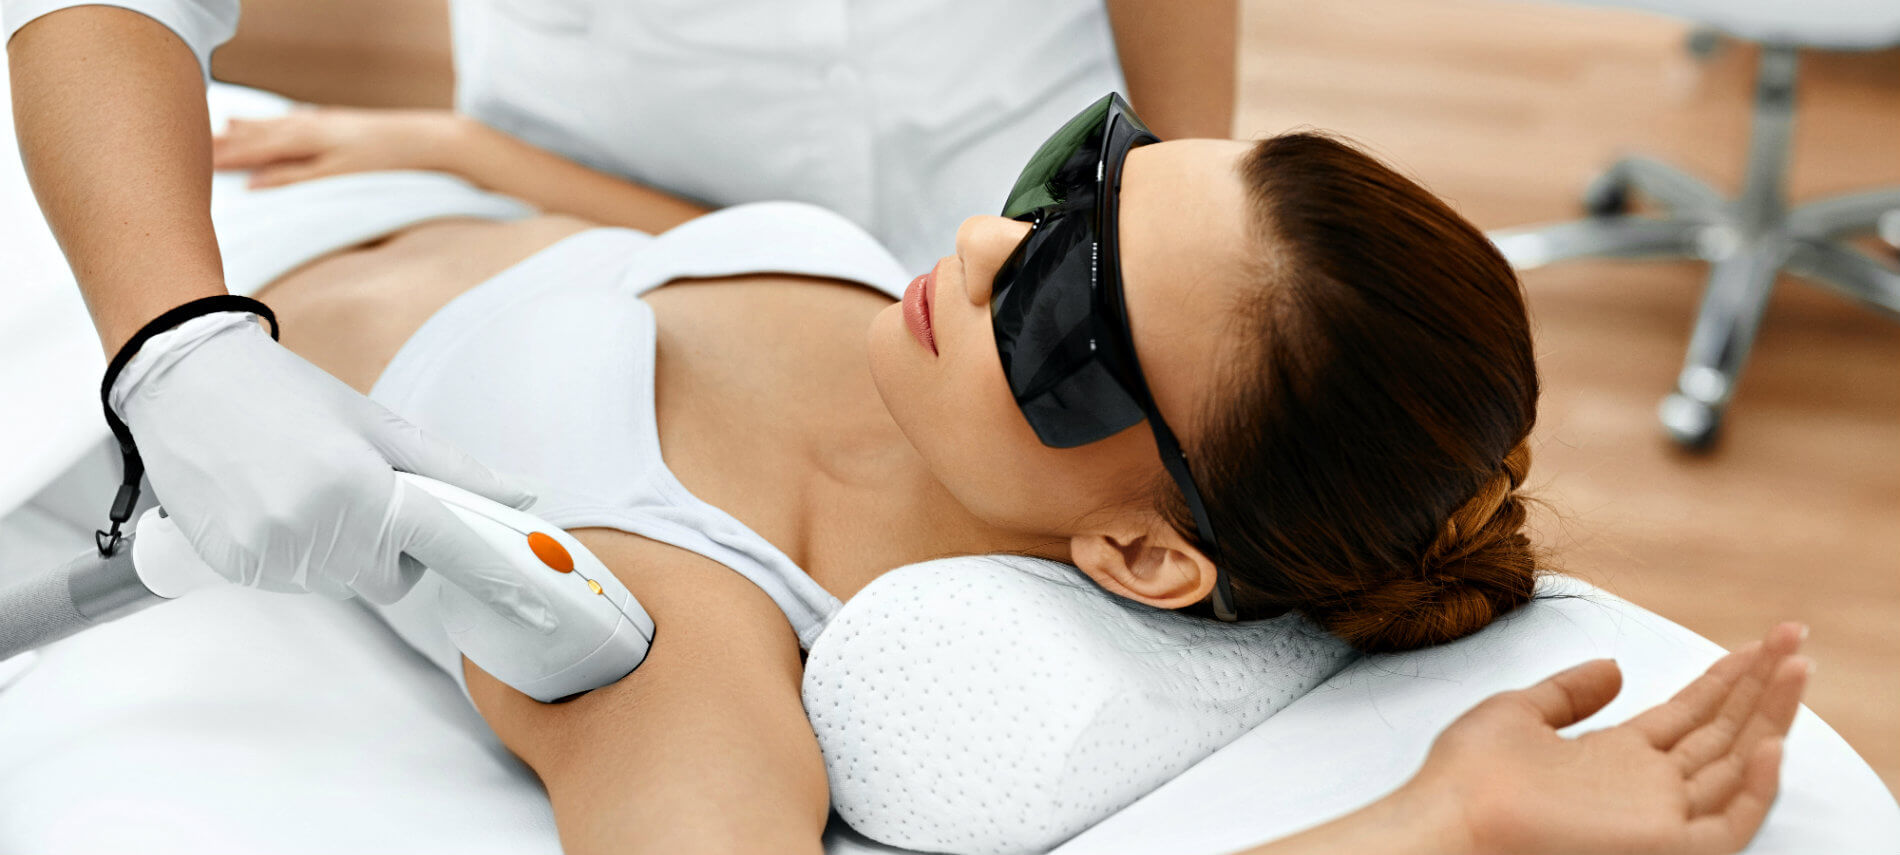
[280, 475]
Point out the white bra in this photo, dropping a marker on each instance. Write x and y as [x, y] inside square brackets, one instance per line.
[546, 371]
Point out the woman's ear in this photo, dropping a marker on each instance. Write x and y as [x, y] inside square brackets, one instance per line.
[1159, 567]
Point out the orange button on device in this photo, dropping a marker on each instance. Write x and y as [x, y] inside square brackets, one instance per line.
[551, 552]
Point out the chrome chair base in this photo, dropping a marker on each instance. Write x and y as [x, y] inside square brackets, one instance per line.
[1747, 241]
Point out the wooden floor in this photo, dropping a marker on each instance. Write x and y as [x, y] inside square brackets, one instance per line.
[1507, 108]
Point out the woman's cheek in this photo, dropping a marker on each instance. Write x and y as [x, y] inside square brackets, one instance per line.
[956, 410]
[1000, 453]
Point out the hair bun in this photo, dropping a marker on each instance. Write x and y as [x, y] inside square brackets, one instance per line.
[1479, 568]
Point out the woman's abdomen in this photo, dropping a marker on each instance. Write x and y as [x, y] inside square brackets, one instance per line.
[350, 311]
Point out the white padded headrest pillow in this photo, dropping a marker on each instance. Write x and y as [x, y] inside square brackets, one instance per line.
[1000, 704]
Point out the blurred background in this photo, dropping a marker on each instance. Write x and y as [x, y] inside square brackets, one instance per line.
[1508, 108]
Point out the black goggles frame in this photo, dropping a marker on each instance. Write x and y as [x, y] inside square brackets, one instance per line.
[1061, 320]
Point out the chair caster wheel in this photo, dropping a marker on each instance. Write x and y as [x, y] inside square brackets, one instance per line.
[1690, 423]
[1607, 196]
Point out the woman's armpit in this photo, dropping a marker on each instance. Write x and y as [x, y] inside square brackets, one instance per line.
[709, 731]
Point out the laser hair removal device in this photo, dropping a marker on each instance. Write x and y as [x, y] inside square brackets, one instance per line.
[603, 635]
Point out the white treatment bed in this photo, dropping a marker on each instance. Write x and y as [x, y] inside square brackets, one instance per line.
[234, 720]
[239, 721]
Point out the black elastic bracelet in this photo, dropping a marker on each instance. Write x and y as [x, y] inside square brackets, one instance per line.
[128, 495]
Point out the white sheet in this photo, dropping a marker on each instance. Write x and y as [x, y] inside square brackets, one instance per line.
[239, 721]
[1366, 730]
[234, 720]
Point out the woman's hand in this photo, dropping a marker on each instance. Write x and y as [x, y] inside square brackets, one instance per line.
[1693, 775]
[322, 141]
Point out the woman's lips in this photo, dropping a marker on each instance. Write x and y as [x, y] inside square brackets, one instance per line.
[917, 311]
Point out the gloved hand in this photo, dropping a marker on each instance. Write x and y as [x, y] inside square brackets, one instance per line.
[280, 475]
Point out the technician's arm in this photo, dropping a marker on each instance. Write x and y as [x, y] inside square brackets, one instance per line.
[278, 474]
[111, 115]
[1178, 59]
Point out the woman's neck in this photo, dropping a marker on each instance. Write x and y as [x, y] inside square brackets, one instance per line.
[767, 410]
[880, 507]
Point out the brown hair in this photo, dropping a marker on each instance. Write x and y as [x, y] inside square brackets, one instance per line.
[1364, 462]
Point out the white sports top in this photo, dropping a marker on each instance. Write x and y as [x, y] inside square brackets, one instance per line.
[546, 371]
[905, 116]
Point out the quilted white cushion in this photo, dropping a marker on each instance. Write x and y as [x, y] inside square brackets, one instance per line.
[1001, 704]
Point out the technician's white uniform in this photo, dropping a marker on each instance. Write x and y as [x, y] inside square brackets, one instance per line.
[906, 116]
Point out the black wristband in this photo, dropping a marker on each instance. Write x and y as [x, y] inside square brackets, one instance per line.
[128, 495]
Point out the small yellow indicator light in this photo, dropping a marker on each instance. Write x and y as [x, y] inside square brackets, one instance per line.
[596, 586]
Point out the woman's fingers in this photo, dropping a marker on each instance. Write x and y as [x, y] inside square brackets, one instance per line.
[1746, 698]
[1711, 787]
[1573, 695]
[1730, 826]
[1698, 703]
[253, 153]
[249, 144]
[1665, 724]
[279, 174]
[1713, 738]
[1775, 711]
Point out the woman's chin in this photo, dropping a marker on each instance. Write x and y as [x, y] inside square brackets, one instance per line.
[900, 372]
[884, 341]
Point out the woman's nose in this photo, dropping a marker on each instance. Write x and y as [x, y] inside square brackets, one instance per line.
[983, 244]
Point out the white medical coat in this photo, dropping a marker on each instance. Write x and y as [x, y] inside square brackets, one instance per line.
[904, 115]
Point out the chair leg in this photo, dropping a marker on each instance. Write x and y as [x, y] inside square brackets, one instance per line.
[1616, 237]
[1740, 279]
[1762, 206]
[1847, 271]
[1725, 327]
[1856, 212]
[1678, 191]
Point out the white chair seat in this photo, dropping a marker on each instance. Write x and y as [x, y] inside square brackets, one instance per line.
[1835, 24]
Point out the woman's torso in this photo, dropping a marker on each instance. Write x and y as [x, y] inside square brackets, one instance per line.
[763, 397]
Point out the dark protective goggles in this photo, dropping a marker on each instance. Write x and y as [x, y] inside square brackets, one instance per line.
[1061, 323]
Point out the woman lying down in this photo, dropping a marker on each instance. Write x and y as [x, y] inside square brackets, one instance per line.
[1335, 368]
